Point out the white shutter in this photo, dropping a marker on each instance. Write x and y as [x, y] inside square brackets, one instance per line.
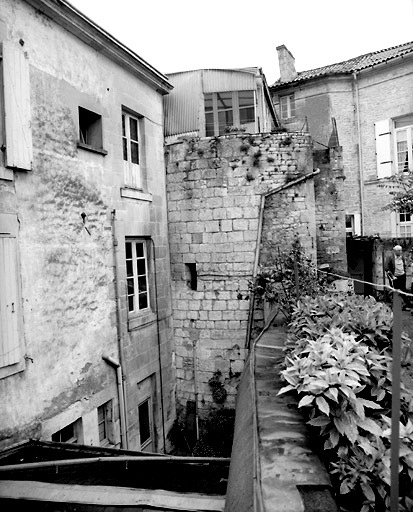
[16, 79]
[383, 148]
[9, 303]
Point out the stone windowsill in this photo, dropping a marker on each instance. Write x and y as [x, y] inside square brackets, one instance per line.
[141, 319]
[135, 193]
[92, 149]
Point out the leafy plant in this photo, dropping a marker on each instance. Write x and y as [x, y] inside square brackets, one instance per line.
[276, 282]
[338, 361]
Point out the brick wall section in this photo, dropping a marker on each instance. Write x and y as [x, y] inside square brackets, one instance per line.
[214, 188]
[330, 209]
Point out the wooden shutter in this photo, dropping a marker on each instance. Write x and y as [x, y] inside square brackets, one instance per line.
[16, 79]
[9, 303]
[383, 148]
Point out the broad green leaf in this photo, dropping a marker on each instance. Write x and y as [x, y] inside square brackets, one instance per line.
[371, 426]
[368, 492]
[323, 405]
[320, 421]
[369, 404]
[306, 400]
[286, 389]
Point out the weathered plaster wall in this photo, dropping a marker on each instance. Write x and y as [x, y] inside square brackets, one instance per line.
[214, 193]
[68, 279]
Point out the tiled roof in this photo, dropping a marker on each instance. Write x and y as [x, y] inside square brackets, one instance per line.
[356, 64]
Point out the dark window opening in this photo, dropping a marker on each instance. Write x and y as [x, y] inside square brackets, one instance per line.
[192, 277]
[144, 422]
[90, 128]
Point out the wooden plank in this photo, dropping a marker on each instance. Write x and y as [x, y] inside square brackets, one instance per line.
[109, 496]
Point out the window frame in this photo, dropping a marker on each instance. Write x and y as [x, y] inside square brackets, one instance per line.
[288, 101]
[77, 429]
[139, 317]
[90, 133]
[132, 171]
[234, 109]
[404, 227]
[107, 409]
[409, 150]
[143, 444]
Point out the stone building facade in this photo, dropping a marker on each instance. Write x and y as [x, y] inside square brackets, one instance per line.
[86, 337]
[368, 102]
[230, 199]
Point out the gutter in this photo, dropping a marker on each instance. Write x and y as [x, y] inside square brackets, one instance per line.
[360, 151]
[122, 409]
[118, 365]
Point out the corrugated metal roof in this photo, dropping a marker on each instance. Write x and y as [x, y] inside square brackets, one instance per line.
[356, 64]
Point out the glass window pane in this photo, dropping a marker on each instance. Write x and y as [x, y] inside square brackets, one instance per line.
[134, 148]
[123, 125]
[139, 250]
[224, 100]
[143, 300]
[246, 115]
[131, 286]
[208, 102]
[129, 268]
[133, 128]
[209, 125]
[224, 120]
[144, 422]
[142, 284]
[141, 267]
[246, 98]
[131, 306]
[125, 149]
[128, 248]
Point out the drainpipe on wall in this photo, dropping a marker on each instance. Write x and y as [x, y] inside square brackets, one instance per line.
[122, 413]
[360, 151]
[159, 346]
[122, 399]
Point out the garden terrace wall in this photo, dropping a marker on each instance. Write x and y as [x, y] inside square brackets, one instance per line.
[214, 189]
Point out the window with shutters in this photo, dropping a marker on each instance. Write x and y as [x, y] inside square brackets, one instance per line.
[394, 146]
[16, 133]
[226, 109]
[11, 339]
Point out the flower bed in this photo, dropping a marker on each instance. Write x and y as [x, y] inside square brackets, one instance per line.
[338, 360]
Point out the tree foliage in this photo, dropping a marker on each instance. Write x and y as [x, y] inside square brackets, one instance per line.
[400, 187]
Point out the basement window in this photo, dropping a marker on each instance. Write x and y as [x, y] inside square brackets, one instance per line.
[145, 423]
[90, 131]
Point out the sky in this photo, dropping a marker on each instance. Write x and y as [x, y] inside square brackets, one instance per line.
[179, 35]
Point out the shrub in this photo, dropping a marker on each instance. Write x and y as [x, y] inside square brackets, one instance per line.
[338, 361]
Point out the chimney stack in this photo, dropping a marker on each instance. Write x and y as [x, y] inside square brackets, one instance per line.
[287, 64]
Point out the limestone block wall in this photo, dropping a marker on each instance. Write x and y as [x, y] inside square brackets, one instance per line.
[330, 209]
[214, 188]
